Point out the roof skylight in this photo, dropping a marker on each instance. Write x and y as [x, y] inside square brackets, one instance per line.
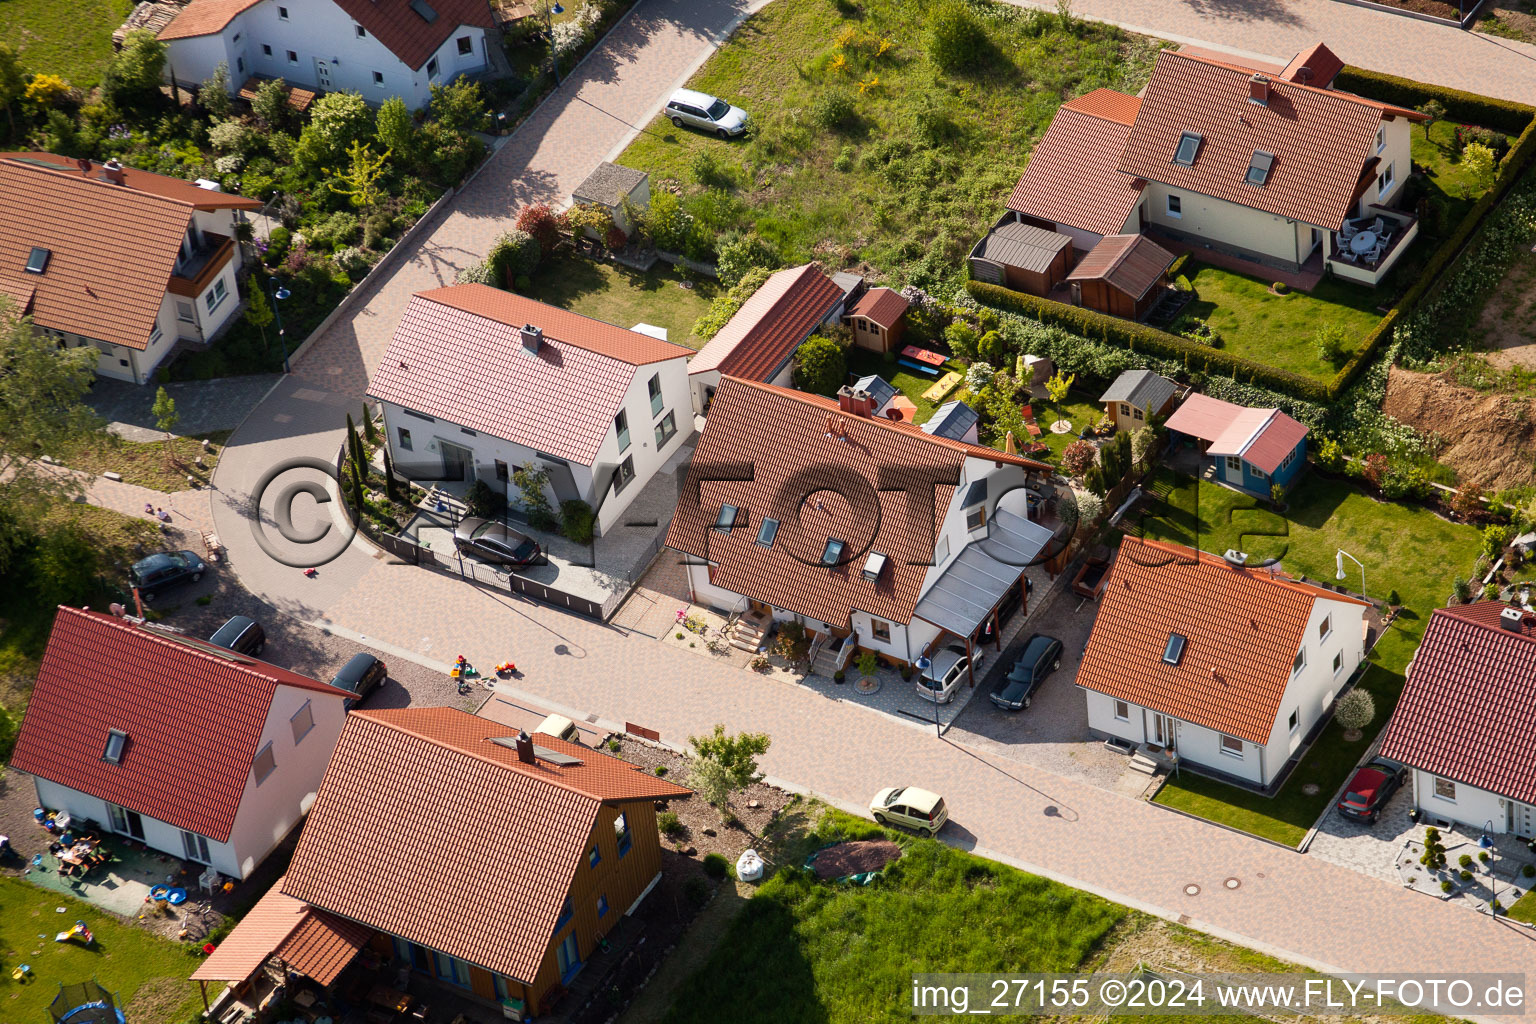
[1259, 167]
[1174, 651]
[1187, 149]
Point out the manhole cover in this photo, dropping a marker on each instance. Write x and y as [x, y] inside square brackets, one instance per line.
[1232, 883]
[1191, 889]
[1310, 789]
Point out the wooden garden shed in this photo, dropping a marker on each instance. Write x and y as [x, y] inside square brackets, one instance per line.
[877, 320]
[1022, 257]
[1120, 276]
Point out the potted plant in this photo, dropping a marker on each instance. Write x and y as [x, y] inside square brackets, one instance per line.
[868, 663]
[837, 677]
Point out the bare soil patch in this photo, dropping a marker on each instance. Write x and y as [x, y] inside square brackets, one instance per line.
[1490, 438]
[1513, 20]
[855, 858]
[1508, 322]
[1433, 8]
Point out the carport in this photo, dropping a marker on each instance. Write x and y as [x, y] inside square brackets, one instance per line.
[968, 593]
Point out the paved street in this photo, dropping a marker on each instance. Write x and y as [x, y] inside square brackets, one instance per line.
[1301, 908]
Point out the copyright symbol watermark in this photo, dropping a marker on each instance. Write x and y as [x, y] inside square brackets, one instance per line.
[311, 537]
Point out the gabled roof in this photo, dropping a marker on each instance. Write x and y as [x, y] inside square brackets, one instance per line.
[1242, 629]
[1072, 177]
[112, 247]
[883, 305]
[1263, 437]
[135, 180]
[1465, 713]
[1316, 66]
[1319, 138]
[767, 451]
[1131, 263]
[312, 942]
[879, 389]
[399, 25]
[1023, 246]
[458, 355]
[193, 714]
[1141, 388]
[482, 847]
[763, 334]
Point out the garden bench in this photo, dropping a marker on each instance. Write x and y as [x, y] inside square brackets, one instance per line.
[912, 364]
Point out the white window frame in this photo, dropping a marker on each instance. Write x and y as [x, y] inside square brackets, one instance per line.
[293, 57]
[1299, 663]
[214, 297]
[1338, 662]
[256, 763]
[378, 79]
[362, 33]
[1227, 750]
[1444, 789]
[282, 14]
[880, 630]
[1294, 722]
[1325, 628]
[434, 68]
[294, 723]
[626, 474]
[404, 435]
[1381, 138]
[1387, 180]
[666, 430]
[122, 746]
[465, 45]
[195, 846]
[1122, 711]
[1174, 206]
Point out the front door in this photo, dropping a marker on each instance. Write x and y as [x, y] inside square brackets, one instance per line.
[458, 462]
[1520, 819]
[1162, 730]
[568, 956]
[126, 822]
[323, 74]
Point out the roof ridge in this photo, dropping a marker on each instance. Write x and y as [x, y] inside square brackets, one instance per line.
[1259, 574]
[1278, 80]
[1492, 627]
[20, 160]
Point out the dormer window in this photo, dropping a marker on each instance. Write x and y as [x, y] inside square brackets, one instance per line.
[1187, 149]
[727, 518]
[1173, 651]
[117, 743]
[1259, 167]
[832, 554]
[873, 566]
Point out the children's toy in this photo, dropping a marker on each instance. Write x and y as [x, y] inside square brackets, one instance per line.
[79, 932]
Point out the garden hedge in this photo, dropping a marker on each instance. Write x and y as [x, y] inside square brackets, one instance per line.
[1506, 116]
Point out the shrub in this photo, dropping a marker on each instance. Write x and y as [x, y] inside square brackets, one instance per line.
[725, 306]
[576, 520]
[1374, 468]
[1495, 537]
[1332, 344]
[978, 375]
[1355, 709]
[46, 90]
[336, 120]
[957, 40]
[660, 770]
[1469, 135]
[932, 122]
[538, 220]
[271, 103]
[669, 225]
[1446, 886]
[339, 229]
[833, 109]
[708, 171]
[483, 501]
[844, 159]
[1528, 871]
[513, 254]
[1330, 455]
[1481, 164]
[1078, 456]
[1089, 507]
[1461, 590]
[741, 254]
[277, 245]
[615, 238]
[669, 822]
[397, 128]
[460, 107]
[1483, 856]
[820, 365]
[1280, 288]
[1465, 860]
[1467, 501]
[716, 866]
[696, 891]
[133, 78]
[962, 339]
[1466, 876]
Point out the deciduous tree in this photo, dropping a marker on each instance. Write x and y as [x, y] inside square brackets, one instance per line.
[725, 764]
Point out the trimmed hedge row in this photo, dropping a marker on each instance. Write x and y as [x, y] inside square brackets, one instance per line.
[1180, 262]
[1506, 116]
[1090, 323]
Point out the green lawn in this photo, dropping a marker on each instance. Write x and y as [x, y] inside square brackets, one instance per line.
[71, 39]
[146, 973]
[862, 362]
[920, 165]
[1524, 908]
[1280, 330]
[1448, 178]
[1079, 410]
[143, 462]
[618, 295]
[1404, 547]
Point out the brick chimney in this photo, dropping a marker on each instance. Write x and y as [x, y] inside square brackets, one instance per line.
[525, 747]
[1258, 89]
[845, 398]
[532, 337]
[114, 172]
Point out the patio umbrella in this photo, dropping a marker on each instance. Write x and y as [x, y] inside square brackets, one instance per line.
[1010, 446]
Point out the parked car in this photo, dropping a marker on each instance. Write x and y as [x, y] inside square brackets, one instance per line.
[241, 634]
[362, 675]
[1040, 657]
[159, 572]
[490, 540]
[560, 727]
[1371, 788]
[948, 671]
[910, 807]
[690, 109]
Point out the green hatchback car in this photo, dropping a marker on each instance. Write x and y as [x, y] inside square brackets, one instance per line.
[910, 807]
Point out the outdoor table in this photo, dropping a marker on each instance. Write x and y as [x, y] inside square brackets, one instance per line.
[1363, 243]
[923, 355]
[389, 998]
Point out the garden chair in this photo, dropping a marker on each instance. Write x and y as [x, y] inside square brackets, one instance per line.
[1028, 414]
[1348, 257]
[1380, 225]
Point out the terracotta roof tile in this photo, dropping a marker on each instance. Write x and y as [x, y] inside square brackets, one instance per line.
[408, 35]
[322, 945]
[764, 332]
[884, 306]
[316, 944]
[205, 17]
[1072, 177]
[1316, 66]
[778, 437]
[1132, 263]
[1319, 139]
[1248, 64]
[1262, 436]
[1465, 713]
[420, 801]
[457, 354]
[193, 719]
[135, 180]
[1244, 625]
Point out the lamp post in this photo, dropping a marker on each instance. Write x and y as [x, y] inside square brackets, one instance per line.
[549, 21]
[1486, 842]
[1339, 561]
[279, 293]
[923, 665]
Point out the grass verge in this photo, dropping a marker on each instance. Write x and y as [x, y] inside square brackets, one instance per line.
[144, 463]
[73, 40]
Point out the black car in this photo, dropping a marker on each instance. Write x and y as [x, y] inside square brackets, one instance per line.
[1041, 656]
[490, 540]
[1371, 788]
[241, 634]
[164, 570]
[363, 674]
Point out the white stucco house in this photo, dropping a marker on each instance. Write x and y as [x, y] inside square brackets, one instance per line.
[477, 382]
[117, 259]
[194, 750]
[1463, 724]
[378, 48]
[861, 527]
[1228, 669]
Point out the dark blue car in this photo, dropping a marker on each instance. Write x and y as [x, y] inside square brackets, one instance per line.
[1041, 656]
[165, 570]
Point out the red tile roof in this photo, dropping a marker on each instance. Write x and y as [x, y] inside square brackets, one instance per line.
[205, 17]
[762, 335]
[135, 180]
[1278, 439]
[1132, 263]
[1319, 139]
[1072, 177]
[1242, 630]
[193, 713]
[1248, 64]
[457, 354]
[316, 944]
[1264, 437]
[884, 306]
[778, 437]
[1465, 713]
[426, 829]
[1316, 66]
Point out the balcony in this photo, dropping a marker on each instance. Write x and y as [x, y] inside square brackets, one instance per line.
[194, 273]
[1369, 247]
